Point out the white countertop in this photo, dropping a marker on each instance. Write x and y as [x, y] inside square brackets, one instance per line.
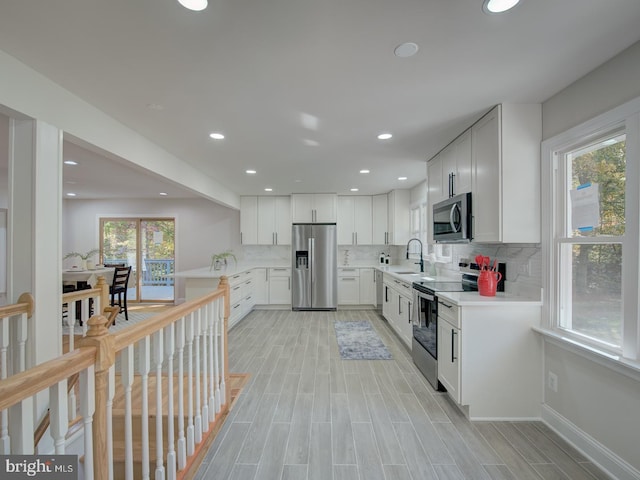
[501, 298]
[232, 269]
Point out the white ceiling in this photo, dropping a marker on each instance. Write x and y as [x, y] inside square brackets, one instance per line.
[253, 68]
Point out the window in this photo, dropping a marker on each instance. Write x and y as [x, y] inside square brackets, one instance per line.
[591, 232]
[592, 178]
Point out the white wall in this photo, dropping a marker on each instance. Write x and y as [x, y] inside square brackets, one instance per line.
[601, 403]
[202, 227]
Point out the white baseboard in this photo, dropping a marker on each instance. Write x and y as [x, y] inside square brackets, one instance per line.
[599, 454]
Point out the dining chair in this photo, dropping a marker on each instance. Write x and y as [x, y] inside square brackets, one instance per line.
[119, 288]
[113, 265]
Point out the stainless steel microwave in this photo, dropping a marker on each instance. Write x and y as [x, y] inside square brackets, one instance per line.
[452, 219]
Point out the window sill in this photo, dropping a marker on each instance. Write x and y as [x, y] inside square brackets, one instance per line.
[624, 366]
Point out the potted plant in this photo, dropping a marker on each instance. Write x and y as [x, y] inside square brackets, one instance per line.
[219, 260]
[84, 257]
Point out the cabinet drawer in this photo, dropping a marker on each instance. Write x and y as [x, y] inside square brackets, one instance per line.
[449, 312]
[235, 293]
[348, 272]
[280, 272]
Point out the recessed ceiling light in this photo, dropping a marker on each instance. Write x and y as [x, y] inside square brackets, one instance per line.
[70, 182]
[407, 49]
[250, 172]
[498, 6]
[70, 162]
[268, 189]
[71, 194]
[364, 171]
[310, 143]
[195, 5]
[155, 106]
[216, 136]
[384, 136]
[402, 178]
[354, 189]
[298, 181]
[163, 194]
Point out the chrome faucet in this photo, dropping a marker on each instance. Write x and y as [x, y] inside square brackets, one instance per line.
[421, 262]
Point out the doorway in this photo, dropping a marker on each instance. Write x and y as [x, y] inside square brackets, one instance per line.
[148, 246]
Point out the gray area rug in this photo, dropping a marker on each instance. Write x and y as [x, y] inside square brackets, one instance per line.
[359, 341]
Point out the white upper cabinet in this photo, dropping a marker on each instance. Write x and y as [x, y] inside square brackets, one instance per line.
[314, 207]
[380, 220]
[399, 217]
[460, 167]
[436, 190]
[274, 220]
[354, 220]
[249, 220]
[506, 174]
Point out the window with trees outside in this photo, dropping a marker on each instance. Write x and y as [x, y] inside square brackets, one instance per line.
[591, 246]
[593, 240]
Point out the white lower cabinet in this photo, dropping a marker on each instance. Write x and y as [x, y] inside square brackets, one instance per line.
[279, 286]
[367, 286]
[489, 358]
[260, 285]
[449, 349]
[396, 307]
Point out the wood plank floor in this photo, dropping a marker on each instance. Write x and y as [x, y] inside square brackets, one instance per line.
[306, 414]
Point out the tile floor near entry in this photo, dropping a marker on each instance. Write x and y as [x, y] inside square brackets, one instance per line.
[306, 415]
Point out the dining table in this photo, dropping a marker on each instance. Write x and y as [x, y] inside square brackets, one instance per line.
[89, 276]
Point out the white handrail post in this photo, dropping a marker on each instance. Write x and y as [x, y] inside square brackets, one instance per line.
[144, 365]
[182, 445]
[210, 335]
[169, 342]
[126, 364]
[5, 441]
[198, 416]
[190, 427]
[158, 357]
[59, 423]
[216, 322]
[87, 408]
[205, 363]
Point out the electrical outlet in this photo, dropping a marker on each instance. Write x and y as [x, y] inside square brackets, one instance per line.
[523, 268]
[552, 382]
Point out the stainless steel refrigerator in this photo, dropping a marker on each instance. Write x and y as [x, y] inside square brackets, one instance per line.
[314, 266]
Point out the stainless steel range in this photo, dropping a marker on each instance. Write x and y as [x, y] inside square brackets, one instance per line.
[425, 314]
[424, 349]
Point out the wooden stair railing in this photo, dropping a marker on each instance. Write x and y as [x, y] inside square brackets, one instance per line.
[185, 414]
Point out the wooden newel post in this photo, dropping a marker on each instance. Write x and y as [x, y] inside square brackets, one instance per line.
[104, 293]
[224, 283]
[98, 337]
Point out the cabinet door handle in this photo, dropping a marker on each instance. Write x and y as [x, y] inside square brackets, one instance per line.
[445, 305]
[386, 294]
[356, 242]
[399, 305]
[409, 313]
[453, 342]
[289, 283]
[348, 279]
[241, 242]
[453, 179]
[276, 238]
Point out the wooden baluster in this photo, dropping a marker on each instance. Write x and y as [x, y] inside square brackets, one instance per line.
[96, 380]
[182, 444]
[126, 363]
[158, 357]
[84, 315]
[5, 444]
[190, 428]
[212, 399]
[144, 365]
[197, 427]
[205, 361]
[87, 408]
[169, 346]
[71, 323]
[216, 346]
[58, 415]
